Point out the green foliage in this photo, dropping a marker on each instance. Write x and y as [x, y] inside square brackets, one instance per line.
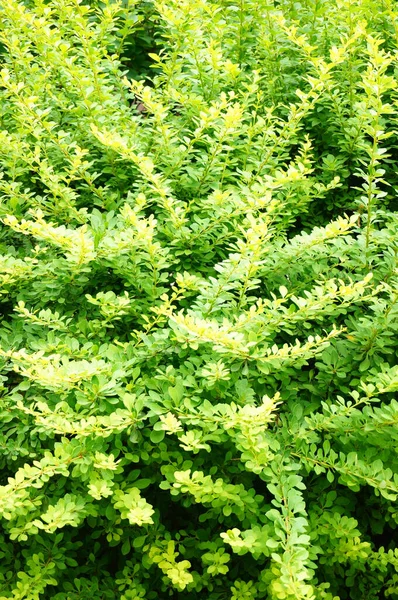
[199, 293]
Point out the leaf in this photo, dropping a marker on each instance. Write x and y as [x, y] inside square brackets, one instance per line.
[157, 436]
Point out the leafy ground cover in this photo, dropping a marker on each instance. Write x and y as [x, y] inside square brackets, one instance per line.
[199, 300]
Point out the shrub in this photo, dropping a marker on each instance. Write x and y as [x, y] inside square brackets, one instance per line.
[199, 294]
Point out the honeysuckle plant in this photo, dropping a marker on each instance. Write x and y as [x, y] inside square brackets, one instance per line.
[199, 300]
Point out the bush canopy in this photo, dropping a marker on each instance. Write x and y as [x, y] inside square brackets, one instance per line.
[199, 300]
